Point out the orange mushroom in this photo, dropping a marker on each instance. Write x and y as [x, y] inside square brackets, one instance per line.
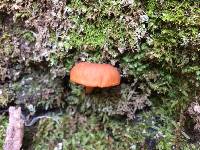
[93, 75]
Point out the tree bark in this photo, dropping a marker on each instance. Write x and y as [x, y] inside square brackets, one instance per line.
[15, 130]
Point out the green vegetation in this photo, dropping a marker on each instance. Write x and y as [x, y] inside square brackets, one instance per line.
[4, 99]
[4, 122]
[91, 132]
[155, 43]
[29, 36]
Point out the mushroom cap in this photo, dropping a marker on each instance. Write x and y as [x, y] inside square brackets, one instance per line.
[95, 75]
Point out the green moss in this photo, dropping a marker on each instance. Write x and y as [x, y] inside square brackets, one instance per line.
[87, 133]
[29, 36]
[92, 132]
[93, 36]
[162, 53]
[174, 27]
[98, 24]
[4, 99]
[4, 122]
[6, 45]
[96, 34]
[134, 63]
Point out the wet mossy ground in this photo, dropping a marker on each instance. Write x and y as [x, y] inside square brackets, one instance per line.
[154, 44]
[151, 129]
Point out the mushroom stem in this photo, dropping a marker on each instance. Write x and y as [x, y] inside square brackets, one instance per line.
[88, 89]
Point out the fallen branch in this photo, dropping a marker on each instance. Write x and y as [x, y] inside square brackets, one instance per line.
[15, 130]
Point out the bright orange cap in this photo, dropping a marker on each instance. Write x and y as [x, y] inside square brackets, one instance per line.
[95, 75]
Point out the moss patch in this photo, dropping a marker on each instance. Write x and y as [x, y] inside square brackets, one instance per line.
[3, 126]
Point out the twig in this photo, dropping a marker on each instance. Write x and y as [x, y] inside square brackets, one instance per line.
[15, 130]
